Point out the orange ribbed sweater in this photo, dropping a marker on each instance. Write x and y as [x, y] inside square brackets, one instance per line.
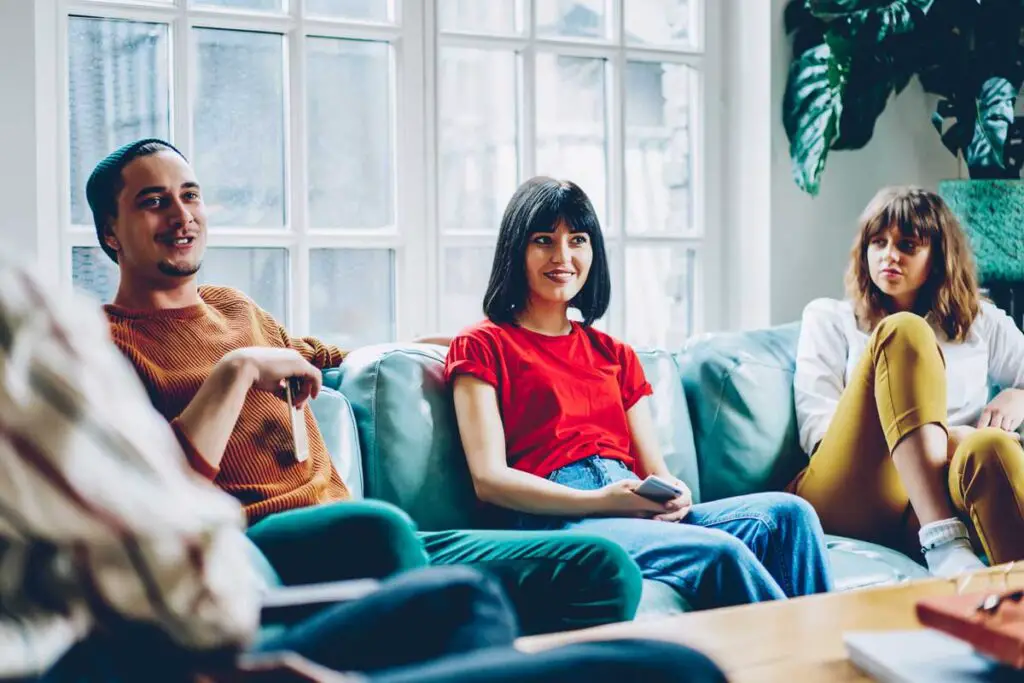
[174, 351]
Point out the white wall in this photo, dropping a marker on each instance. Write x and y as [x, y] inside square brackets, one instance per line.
[28, 212]
[811, 237]
[746, 187]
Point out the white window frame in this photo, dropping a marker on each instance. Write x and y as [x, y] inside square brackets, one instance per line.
[415, 238]
[704, 56]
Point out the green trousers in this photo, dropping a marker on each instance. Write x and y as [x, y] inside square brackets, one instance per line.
[557, 580]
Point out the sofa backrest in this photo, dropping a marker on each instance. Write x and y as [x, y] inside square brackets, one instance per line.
[411, 451]
[337, 424]
[739, 388]
[410, 445]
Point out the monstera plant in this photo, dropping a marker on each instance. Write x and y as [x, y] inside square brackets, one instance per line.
[850, 57]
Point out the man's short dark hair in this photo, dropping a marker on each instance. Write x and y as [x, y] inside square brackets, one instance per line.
[106, 182]
[539, 205]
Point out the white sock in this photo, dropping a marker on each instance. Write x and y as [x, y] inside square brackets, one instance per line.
[947, 548]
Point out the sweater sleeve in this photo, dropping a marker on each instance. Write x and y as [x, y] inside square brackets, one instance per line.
[820, 371]
[318, 353]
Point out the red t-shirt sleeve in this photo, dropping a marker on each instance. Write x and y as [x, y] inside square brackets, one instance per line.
[470, 355]
[633, 381]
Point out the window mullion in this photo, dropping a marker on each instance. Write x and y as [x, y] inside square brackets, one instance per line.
[296, 180]
[528, 98]
[183, 74]
[616, 123]
[415, 192]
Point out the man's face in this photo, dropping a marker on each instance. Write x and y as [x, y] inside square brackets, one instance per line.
[160, 228]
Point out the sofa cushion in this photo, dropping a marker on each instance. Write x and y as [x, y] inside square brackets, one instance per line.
[412, 456]
[672, 417]
[859, 564]
[739, 388]
[337, 424]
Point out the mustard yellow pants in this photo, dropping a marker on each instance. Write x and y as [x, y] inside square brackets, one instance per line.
[898, 386]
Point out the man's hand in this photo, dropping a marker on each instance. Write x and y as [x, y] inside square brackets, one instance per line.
[1006, 411]
[681, 504]
[270, 368]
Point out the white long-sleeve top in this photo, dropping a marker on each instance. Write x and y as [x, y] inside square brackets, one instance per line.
[99, 510]
[831, 344]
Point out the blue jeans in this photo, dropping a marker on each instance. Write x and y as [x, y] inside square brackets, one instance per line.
[763, 546]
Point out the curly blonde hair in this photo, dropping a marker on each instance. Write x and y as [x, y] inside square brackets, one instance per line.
[949, 296]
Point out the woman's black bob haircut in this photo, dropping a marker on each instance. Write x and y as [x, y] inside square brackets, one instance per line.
[539, 205]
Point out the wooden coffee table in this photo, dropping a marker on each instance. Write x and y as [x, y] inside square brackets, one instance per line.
[790, 641]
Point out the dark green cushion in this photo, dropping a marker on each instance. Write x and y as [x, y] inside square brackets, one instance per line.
[739, 387]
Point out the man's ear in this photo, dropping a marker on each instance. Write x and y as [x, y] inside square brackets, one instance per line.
[110, 239]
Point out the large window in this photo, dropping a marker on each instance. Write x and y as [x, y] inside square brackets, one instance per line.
[356, 155]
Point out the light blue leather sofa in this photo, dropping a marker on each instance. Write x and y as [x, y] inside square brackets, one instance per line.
[723, 407]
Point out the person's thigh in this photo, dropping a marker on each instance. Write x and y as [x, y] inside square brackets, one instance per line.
[414, 617]
[709, 567]
[986, 483]
[851, 480]
[337, 541]
[611, 661]
[557, 580]
[782, 531]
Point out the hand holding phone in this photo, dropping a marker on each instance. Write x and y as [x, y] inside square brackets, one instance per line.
[657, 489]
[298, 418]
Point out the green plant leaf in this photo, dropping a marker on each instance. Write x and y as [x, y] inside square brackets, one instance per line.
[992, 121]
[812, 107]
[873, 20]
[863, 102]
[981, 127]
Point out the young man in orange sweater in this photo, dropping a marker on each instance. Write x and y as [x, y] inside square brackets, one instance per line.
[214, 363]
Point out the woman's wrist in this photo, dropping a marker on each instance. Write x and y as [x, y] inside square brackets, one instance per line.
[587, 503]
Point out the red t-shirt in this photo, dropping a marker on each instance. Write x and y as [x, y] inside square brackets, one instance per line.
[562, 399]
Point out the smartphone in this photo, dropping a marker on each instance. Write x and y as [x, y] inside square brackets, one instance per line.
[300, 437]
[657, 489]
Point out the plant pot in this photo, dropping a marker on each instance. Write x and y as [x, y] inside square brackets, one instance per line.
[992, 214]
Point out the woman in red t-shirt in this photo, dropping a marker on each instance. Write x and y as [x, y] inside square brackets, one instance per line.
[556, 426]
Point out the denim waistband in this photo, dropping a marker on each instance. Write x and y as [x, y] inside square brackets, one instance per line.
[592, 472]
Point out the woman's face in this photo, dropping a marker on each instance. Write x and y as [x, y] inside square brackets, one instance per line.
[557, 264]
[899, 265]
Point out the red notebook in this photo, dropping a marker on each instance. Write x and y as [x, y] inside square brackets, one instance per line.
[992, 622]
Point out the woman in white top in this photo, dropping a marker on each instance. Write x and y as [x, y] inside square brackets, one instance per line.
[893, 388]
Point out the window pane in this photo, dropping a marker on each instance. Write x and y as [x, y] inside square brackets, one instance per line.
[352, 296]
[660, 283]
[659, 155]
[360, 10]
[661, 22]
[94, 273]
[118, 92]
[465, 275]
[350, 149]
[571, 130]
[239, 126]
[261, 273]
[479, 16]
[478, 145]
[572, 18]
[261, 5]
